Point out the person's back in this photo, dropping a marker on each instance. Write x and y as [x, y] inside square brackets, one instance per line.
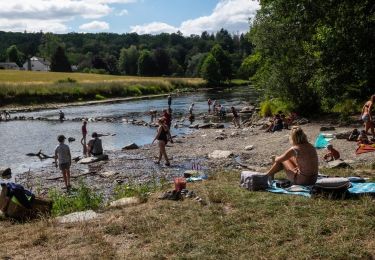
[63, 153]
[96, 146]
[307, 161]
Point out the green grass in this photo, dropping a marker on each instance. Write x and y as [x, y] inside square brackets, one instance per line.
[79, 199]
[26, 87]
[238, 224]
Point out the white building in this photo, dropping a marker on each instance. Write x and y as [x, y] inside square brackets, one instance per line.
[9, 66]
[37, 64]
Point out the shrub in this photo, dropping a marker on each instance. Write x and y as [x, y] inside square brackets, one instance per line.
[272, 106]
[67, 80]
[82, 198]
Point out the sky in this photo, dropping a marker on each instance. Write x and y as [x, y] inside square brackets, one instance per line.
[124, 16]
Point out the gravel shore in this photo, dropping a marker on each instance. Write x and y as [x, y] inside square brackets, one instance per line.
[186, 152]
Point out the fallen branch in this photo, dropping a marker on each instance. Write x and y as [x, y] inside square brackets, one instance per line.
[41, 155]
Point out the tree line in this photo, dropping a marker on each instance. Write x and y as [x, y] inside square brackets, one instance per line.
[314, 55]
[217, 57]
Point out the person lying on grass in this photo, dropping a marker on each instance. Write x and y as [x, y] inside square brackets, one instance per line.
[300, 162]
[332, 154]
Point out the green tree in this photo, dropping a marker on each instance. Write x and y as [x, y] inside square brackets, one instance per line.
[222, 57]
[59, 61]
[162, 61]
[146, 64]
[14, 55]
[211, 70]
[49, 44]
[128, 61]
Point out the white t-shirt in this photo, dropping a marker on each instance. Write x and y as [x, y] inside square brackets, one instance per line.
[63, 153]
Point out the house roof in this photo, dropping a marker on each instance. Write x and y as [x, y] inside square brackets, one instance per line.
[9, 64]
[41, 60]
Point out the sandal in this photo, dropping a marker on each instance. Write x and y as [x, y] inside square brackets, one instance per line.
[156, 162]
[168, 164]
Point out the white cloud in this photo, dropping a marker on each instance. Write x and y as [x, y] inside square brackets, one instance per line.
[94, 26]
[232, 15]
[51, 15]
[154, 28]
[122, 12]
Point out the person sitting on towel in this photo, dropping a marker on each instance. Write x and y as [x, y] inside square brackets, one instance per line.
[94, 147]
[363, 138]
[300, 162]
[332, 154]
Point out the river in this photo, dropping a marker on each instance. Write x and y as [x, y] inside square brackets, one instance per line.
[17, 138]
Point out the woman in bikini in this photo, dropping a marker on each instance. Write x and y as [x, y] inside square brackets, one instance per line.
[366, 116]
[300, 162]
[162, 137]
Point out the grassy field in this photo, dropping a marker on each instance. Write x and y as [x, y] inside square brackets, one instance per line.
[234, 224]
[28, 87]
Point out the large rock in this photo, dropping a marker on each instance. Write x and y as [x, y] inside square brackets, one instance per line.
[93, 159]
[124, 202]
[131, 146]
[219, 154]
[343, 135]
[338, 164]
[107, 174]
[5, 172]
[218, 126]
[248, 109]
[327, 128]
[249, 147]
[203, 126]
[80, 216]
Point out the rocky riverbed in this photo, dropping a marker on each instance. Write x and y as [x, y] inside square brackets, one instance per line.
[248, 147]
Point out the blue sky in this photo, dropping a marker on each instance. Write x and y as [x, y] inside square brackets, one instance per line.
[122, 16]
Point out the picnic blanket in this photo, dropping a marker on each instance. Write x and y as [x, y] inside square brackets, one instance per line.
[355, 189]
[362, 188]
[292, 190]
[365, 148]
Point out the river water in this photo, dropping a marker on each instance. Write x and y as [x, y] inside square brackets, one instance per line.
[17, 138]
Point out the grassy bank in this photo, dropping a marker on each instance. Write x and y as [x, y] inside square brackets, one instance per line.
[235, 224]
[26, 87]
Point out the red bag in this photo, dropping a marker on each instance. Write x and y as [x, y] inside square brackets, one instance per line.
[179, 184]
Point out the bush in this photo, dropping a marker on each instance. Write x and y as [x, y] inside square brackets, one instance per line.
[67, 80]
[272, 106]
[82, 198]
[99, 97]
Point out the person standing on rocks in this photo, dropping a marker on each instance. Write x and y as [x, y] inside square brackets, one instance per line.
[366, 116]
[191, 108]
[169, 101]
[84, 134]
[62, 154]
[209, 103]
[236, 118]
[162, 137]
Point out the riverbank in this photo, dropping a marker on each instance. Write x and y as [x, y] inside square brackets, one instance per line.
[135, 166]
[231, 223]
[33, 88]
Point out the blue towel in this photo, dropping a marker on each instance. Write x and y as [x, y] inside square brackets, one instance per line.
[321, 142]
[293, 190]
[362, 188]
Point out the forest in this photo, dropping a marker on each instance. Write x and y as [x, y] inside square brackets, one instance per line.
[131, 54]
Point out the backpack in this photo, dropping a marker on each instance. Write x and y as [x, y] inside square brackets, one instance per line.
[254, 181]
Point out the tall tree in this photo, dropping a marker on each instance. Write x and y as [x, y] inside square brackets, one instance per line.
[128, 61]
[14, 55]
[146, 64]
[222, 57]
[162, 61]
[59, 61]
[211, 70]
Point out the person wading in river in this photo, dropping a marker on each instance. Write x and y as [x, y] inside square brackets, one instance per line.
[162, 137]
[62, 153]
[169, 101]
[83, 140]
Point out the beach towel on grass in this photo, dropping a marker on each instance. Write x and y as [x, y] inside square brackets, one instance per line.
[365, 148]
[292, 190]
[362, 188]
[322, 140]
